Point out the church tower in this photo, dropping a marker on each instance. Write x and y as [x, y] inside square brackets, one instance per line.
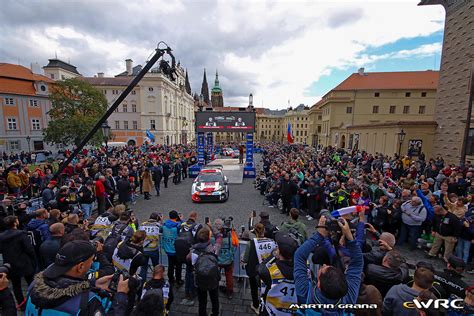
[217, 99]
[205, 89]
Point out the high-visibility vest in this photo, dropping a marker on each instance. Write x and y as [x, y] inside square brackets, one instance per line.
[281, 294]
[264, 248]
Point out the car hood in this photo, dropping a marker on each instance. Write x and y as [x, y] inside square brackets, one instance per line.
[207, 186]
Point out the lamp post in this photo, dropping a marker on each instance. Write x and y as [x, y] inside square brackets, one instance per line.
[401, 138]
[106, 133]
[28, 140]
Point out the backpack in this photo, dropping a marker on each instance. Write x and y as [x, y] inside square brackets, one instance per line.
[112, 241]
[183, 242]
[207, 274]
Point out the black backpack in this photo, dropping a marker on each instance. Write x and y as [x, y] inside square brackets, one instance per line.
[184, 242]
[112, 241]
[207, 274]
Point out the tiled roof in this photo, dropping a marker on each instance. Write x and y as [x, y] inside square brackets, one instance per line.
[414, 80]
[57, 63]
[16, 79]
[109, 81]
[20, 72]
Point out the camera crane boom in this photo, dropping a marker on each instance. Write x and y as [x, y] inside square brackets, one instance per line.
[168, 70]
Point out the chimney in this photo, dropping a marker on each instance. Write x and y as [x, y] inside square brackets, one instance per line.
[129, 66]
[100, 74]
[36, 69]
[361, 71]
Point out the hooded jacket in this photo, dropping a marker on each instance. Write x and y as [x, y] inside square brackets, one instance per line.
[296, 225]
[393, 302]
[64, 294]
[39, 225]
[17, 250]
[170, 231]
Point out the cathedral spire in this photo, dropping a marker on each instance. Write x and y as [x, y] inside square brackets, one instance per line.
[205, 88]
[187, 85]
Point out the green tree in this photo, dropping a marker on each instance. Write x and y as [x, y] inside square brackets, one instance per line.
[76, 106]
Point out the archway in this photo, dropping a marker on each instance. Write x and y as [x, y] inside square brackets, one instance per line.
[343, 141]
[131, 142]
[167, 140]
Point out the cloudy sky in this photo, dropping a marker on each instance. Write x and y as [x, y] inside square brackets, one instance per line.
[280, 51]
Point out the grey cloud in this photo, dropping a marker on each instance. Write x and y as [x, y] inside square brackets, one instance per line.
[345, 17]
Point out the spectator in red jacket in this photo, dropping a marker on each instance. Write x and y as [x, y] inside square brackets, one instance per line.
[100, 194]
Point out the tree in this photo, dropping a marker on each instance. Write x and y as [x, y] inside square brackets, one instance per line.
[76, 106]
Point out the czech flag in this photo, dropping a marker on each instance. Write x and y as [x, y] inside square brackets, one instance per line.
[290, 134]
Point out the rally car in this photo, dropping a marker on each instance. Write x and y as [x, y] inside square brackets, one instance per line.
[210, 185]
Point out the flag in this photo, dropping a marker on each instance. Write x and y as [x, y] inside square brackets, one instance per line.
[290, 134]
[150, 136]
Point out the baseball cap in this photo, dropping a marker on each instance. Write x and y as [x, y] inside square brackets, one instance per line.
[264, 214]
[456, 262]
[68, 256]
[287, 245]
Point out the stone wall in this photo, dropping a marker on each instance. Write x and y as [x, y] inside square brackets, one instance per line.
[453, 90]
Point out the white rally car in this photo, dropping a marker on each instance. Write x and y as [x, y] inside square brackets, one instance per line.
[210, 185]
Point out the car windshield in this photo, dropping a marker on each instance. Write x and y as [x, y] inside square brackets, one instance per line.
[210, 177]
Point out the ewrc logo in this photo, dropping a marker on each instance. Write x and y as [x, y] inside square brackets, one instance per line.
[332, 306]
[457, 304]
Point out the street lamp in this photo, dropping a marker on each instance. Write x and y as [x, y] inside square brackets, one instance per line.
[106, 133]
[28, 140]
[401, 138]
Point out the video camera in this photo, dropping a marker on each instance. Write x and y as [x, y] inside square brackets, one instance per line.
[227, 227]
[133, 281]
[332, 226]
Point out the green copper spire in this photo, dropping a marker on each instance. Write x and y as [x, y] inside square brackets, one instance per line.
[216, 87]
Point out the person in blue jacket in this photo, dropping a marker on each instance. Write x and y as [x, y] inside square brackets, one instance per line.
[170, 230]
[332, 285]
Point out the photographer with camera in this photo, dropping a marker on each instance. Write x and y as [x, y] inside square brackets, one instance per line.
[163, 298]
[276, 274]
[333, 285]
[63, 287]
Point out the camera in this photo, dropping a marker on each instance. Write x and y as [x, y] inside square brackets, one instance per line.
[96, 240]
[332, 226]
[5, 268]
[113, 285]
[227, 227]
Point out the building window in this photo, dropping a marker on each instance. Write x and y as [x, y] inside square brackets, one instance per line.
[407, 94]
[63, 77]
[124, 108]
[319, 129]
[14, 145]
[35, 124]
[117, 124]
[150, 89]
[423, 94]
[406, 109]
[320, 117]
[125, 124]
[8, 101]
[297, 133]
[134, 107]
[470, 143]
[393, 109]
[349, 109]
[134, 92]
[11, 124]
[152, 124]
[33, 102]
[375, 109]
[52, 76]
[421, 109]
[377, 94]
[116, 109]
[105, 92]
[305, 133]
[135, 125]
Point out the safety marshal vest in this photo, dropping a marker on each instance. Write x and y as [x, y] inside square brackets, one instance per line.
[264, 248]
[123, 264]
[101, 227]
[281, 294]
[152, 230]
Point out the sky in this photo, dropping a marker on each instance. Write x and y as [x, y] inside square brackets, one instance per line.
[283, 52]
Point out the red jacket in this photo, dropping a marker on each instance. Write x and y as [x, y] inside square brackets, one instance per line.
[99, 189]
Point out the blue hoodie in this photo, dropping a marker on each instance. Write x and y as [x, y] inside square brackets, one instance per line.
[306, 294]
[170, 231]
[39, 225]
